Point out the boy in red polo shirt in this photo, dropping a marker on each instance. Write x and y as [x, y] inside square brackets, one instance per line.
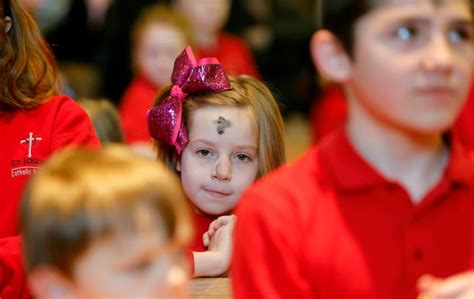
[384, 207]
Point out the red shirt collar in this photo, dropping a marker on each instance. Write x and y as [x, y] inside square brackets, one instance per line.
[351, 172]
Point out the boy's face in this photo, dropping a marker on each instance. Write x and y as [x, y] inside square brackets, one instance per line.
[156, 50]
[412, 63]
[221, 159]
[129, 264]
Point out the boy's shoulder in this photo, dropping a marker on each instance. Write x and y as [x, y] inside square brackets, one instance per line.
[299, 183]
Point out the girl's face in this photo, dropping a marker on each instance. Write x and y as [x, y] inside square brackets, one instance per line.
[412, 63]
[208, 16]
[156, 50]
[221, 159]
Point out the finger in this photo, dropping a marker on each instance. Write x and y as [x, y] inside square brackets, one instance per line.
[215, 225]
[454, 286]
[205, 239]
[426, 282]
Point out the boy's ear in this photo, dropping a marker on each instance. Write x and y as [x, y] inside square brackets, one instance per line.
[330, 57]
[8, 24]
[48, 283]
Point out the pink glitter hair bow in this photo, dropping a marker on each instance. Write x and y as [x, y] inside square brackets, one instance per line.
[165, 122]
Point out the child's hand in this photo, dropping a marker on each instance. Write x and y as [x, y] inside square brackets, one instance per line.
[454, 287]
[216, 260]
[214, 226]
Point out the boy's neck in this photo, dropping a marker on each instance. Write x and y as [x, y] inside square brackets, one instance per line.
[415, 161]
[206, 40]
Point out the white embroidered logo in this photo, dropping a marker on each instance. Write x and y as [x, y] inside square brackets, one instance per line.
[31, 140]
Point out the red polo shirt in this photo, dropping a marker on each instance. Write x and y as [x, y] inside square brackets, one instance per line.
[330, 226]
[136, 101]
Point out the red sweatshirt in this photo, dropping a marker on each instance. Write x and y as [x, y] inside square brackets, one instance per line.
[28, 138]
[234, 54]
[13, 279]
[136, 101]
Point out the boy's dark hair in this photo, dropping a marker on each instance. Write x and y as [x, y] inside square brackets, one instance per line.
[340, 16]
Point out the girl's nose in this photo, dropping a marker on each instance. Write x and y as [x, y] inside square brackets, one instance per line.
[222, 170]
[439, 56]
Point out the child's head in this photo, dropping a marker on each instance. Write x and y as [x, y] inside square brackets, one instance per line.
[158, 36]
[206, 16]
[234, 137]
[403, 64]
[28, 68]
[104, 224]
[105, 119]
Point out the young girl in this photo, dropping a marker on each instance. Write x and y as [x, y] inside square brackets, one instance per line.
[207, 18]
[105, 224]
[219, 135]
[386, 198]
[157, 38]
[34, 120]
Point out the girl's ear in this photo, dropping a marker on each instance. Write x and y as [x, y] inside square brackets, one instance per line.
[48, 283]
[8, 24]
[178, 165]
[330, 57]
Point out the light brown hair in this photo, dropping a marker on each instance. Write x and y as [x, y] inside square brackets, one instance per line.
[29, 70]
[159, 14]
[82, 195]
[246, 92]
[105, 118]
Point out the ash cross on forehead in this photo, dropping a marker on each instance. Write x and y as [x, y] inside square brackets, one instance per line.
[222, 124]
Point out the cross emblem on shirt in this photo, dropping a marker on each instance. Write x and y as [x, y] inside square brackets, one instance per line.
[31, 140]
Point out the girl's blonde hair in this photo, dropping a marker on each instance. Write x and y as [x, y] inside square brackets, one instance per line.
[246, 92]
[82, 195]
[159, 14]
[29, 70]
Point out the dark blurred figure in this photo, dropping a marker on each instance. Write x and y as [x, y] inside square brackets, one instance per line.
[79, 35]
[278, 31]
[115, 65]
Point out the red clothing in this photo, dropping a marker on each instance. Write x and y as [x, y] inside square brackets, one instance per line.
[28, 138]
[136, 101]
[13, 279]
[464, 126]
[201, 225]
[234, 54]
[330, 226]
[328, 112]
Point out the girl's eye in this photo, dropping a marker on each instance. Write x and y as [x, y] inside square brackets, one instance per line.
[460, 35]
[243, 157]
[204, 152]
[406, 32]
